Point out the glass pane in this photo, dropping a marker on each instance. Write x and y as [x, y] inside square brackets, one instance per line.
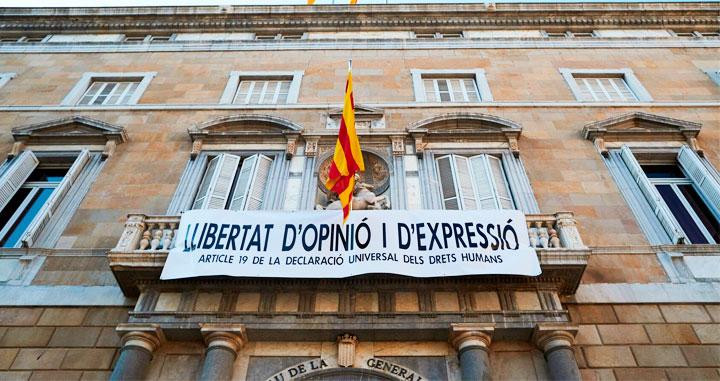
[129, 93]
[48, 174]
[12, 206]
[663, 171]
[90, 93]
[471, 90]
[681, 214]
[256, 91]
[443, 90]
[104, 93]
[242, 92]
[701, 210]
[24, 221]
[457, 89]
[117, 93]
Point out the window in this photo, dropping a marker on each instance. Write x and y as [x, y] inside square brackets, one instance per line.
[605, 85]
[682, 193]
[451, 90]
[31, 191]
[262, 92]
[714, 74]
[475, 182]
[234, 182]
[5, 78]
[110, 93]
[451, 86]
[108, 89]
[262, 88]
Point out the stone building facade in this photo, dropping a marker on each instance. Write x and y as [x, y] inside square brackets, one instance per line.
[600, 121]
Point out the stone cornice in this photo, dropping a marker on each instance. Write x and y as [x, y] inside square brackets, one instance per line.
[417, 16]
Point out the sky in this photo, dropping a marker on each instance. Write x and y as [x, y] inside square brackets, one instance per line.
[122, 3]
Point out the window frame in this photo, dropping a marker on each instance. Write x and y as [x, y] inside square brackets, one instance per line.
[5, 78]
[190, 183]
[626, 74]
[478, 75]
[83, 85]
[235, 77]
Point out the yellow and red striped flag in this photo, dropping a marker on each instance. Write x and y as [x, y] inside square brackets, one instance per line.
[347, 159]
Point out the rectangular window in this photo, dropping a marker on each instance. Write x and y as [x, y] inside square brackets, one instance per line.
[451, 90]
[263, 92]
[234, 182]
[262, 87]
[110, 93]
[604, 89]
[30, 192]
[108, 89]
[600, 85]
[474, 182]
[684, 202]
[682, 194]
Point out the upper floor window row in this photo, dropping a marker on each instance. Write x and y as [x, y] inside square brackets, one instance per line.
[418, 34]
[430, 86]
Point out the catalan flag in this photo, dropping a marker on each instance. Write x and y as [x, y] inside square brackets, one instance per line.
[347, 159]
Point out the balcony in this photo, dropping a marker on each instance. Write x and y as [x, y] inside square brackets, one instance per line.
[144, 245]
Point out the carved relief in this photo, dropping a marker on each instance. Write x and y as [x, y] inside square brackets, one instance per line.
[346, 350]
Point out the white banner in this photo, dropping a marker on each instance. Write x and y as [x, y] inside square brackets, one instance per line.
[315, 244]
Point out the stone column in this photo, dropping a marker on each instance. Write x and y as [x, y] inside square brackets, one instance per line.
[223, 343]
[139, 341]
[472, 342]
[556, 340]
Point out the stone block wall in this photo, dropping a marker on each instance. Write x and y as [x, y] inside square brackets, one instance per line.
[59, 343]
[648, 341]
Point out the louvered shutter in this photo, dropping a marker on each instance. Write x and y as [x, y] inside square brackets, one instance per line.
[251, 183]
[258, 182]
[447, 183]
[51, 205]
[652, 196]
[700, 175]
[482, 178]
[15, 176]
[502, 191]
[464, 181]
[215, 186]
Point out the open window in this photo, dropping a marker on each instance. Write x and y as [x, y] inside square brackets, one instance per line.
[234, 159]
[108, 89]
[484, 172]
[46, 176]
[671, 188]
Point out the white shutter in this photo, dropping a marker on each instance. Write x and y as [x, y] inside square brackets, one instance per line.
[15, 176]
[652, 196]
[48, 209]
[702, 178]
[448, 191]
[464, 182]
[502, 191]
[490, 186]
[258, 183]
[482, 178]
[215, 186]
[251, 182]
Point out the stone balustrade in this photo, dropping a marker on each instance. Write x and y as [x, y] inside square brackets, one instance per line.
[157, 233]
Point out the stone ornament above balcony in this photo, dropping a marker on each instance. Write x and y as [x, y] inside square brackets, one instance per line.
[641, 127]
[243, 129]
[465, 127]
[70, 132]
[367, 119]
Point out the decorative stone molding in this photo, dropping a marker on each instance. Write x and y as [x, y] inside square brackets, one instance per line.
[391, 16]
[145, 336]
[398, 145]
[641, 127]
[366, 118]
[549, 336]
[228, 336]
[346, 350]
[243, 129]
[466, 127]
[465, 335]
[71, 131]
[311, 145]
